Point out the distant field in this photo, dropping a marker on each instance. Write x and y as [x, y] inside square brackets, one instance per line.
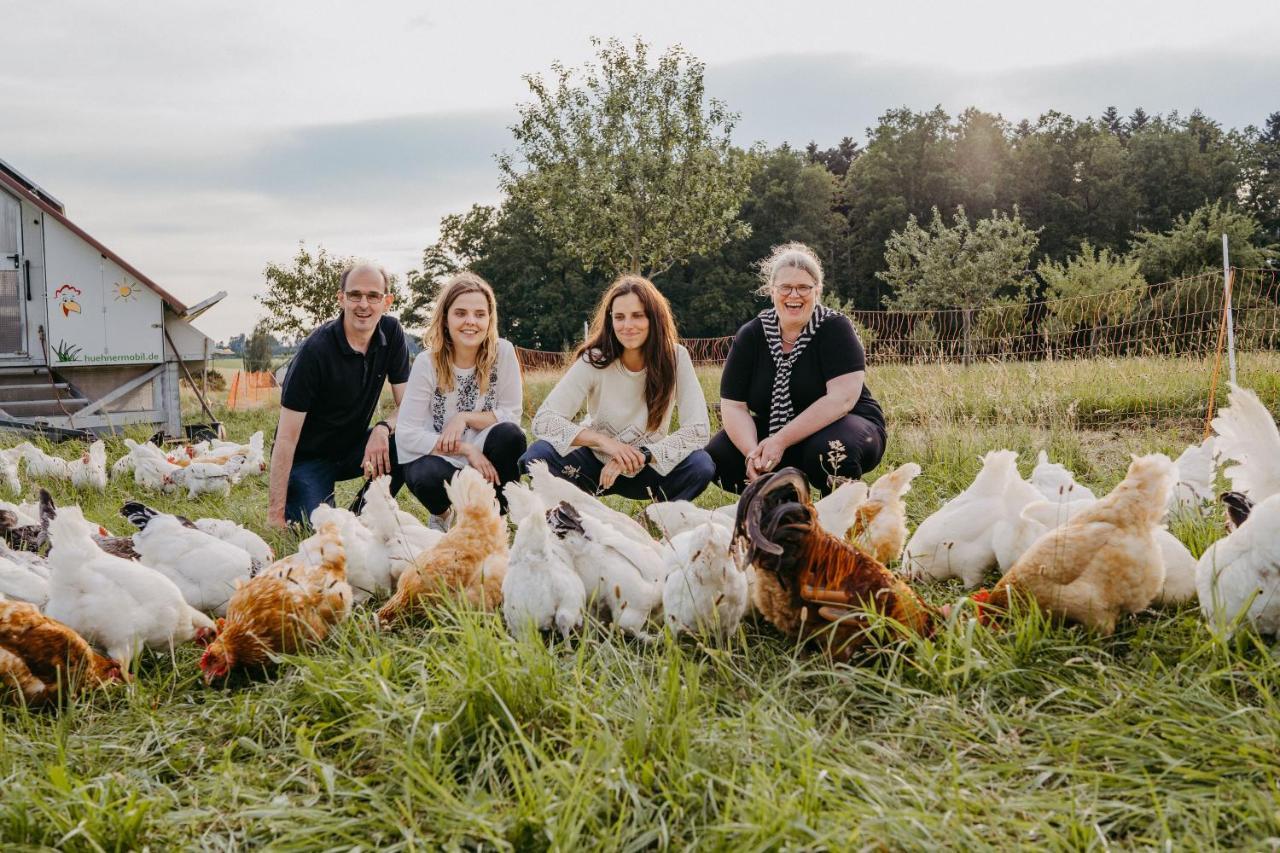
[452, 735]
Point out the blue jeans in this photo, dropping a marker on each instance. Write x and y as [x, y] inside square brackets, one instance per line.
[581, 467]
[311, 481]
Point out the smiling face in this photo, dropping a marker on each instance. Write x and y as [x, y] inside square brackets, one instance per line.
[468, 321]
[794, 294]
[364, 300]
[629, 320]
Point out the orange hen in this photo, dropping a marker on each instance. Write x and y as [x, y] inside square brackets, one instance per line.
[40, 657]
[294, 601]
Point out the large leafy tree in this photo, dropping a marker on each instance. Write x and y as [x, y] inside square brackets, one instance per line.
[905, 170]
[790, 198]
[301, 296]
[1262, 177]
[626, 164]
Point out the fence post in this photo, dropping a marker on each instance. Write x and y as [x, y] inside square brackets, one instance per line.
[1231, 331]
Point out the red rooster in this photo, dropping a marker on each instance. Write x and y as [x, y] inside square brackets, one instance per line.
[808, 580]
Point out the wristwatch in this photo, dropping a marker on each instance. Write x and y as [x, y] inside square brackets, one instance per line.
[390, 431]
[648, 455]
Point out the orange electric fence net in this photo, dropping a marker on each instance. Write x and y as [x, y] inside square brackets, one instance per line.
[250, 389]
[1122, 357]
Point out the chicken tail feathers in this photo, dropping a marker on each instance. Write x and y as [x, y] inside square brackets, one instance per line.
[139, 514]
[1238, 507]
[564, 519]
[47, 509]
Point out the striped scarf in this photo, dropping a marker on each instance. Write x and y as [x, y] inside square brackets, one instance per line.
[781, 410]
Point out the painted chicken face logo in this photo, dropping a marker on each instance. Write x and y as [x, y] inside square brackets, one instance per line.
[66, 296]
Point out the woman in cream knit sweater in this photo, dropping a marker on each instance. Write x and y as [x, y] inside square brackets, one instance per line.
[631, 374]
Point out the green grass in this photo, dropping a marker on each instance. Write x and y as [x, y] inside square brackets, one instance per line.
[452, 734]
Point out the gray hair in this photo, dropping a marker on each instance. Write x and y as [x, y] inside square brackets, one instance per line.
[789, 256]
[363, 267]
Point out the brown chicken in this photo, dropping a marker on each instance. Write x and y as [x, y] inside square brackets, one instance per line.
[471, 559]
[40, 658]
[880, 523]
[807, 579]
[294, 601]
[1102, 563]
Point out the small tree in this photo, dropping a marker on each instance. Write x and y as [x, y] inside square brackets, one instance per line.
[959, 266]
[1194, 244]
[1093, 288]
[627, 164]
[257, 351]
[301, 297]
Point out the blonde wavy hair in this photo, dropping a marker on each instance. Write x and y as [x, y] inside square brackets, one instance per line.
[440, 345]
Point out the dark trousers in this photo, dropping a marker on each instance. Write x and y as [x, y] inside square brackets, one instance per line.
[426, 475]
[581, 467]
[859, 449]
[311, 481]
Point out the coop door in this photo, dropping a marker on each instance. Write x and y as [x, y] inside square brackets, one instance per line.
[13, 301]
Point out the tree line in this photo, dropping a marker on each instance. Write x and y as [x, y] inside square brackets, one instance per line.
[626, 164]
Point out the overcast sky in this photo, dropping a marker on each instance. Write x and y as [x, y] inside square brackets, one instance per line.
[202, 140]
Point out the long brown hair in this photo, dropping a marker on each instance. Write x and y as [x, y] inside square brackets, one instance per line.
[602, 347]
[437, 339]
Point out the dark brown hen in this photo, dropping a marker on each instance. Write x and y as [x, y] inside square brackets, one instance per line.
[808, 580]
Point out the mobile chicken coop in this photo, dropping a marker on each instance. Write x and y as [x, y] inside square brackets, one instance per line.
[86, 340]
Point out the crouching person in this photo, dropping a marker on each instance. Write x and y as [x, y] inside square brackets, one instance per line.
[632, 374]
[464, 400]
[329, 396]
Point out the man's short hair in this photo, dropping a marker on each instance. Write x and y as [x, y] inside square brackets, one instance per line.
[364, 266]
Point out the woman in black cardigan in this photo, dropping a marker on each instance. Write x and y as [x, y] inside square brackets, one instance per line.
[793, 391]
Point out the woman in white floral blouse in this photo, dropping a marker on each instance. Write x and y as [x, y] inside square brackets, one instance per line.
[631, 373]
[463, 402]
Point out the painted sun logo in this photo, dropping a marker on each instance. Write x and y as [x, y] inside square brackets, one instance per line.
[66, 296]
[125, 290]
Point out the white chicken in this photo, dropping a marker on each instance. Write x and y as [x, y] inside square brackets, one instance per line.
[541, 590]
[41, 465]
[398, 537]
[204, 569]
[552, 490]
[675, 517]
[151, 468]
[1197, 469]
[90, 470]
[1238, 577]
[958, 539]
[9, 470]
[368, 569]
[207, 478]
[616, 575]
[118, 604]
[238, 535]
[1247, 435]
[20, 582]
[1056, 482]
[706, 589]
[838, 510]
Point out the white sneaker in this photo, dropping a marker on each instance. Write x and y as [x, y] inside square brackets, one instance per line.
[441, 522]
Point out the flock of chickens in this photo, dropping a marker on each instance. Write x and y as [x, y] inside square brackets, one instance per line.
[817, 571]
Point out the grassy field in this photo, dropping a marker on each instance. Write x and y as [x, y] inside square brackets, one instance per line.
[451, 734]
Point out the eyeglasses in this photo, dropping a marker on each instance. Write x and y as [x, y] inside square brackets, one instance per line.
[797, 289]
[358, 297]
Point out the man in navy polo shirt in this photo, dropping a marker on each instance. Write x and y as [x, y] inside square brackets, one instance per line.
[329, 396]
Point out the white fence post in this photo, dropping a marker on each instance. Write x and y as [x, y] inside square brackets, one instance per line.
[1231, 331]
